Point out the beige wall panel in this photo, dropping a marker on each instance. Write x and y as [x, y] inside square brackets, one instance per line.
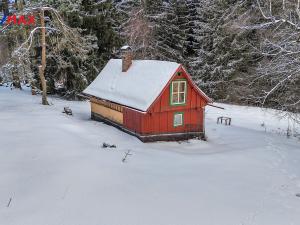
[107, 113]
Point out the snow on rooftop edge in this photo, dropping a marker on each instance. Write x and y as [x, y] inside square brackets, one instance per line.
[138, 87]
[125, 47]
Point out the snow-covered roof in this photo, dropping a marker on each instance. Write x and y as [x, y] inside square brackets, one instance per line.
[138, 87]
[125, 47]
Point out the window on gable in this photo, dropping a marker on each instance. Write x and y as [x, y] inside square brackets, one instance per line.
[178, 119]
[178, 92]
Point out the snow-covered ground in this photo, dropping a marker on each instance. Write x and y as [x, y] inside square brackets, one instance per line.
[53, 170]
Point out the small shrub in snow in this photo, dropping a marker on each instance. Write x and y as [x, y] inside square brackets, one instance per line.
[8, 204]
[288, 132]
[105, 145]
[126, 155]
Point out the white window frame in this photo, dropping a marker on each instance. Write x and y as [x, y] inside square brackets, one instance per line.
[180, 114]
[178, 92]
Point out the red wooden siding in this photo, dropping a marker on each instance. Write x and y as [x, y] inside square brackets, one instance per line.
[159, 118]
[132, 120]
[157, 123]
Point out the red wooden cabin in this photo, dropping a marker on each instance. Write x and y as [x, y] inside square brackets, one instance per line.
[153, 100]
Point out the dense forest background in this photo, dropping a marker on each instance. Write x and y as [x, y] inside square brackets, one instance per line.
[238, 51]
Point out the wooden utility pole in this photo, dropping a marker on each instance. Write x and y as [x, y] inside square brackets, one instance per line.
[43, 66]
[19, 4]
[5, 7]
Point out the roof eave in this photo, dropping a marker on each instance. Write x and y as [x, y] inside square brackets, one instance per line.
[126, 106]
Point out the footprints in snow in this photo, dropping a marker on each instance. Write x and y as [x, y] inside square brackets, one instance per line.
[293, 180]
[289, 188]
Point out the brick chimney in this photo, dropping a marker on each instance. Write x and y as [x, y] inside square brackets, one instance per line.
[126, 57]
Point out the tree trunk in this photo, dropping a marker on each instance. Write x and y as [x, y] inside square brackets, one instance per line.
[16, 79]
[5, 7]
[16, 5]
[19, 4]
[43, 66]
[44, 86]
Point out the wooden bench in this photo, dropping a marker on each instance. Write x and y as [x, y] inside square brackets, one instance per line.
[227, 120]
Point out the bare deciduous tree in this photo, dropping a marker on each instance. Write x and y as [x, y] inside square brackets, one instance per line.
[55, 27]
[138, 33]
[279, 71]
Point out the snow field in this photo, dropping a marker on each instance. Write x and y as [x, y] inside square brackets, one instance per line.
[54, 170]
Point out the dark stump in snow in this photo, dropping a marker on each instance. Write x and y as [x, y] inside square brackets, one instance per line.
[68, 111]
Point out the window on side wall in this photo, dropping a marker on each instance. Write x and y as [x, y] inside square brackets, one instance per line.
[178, 119]
[178, 92]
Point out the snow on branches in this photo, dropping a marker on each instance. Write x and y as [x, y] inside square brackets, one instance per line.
[63, 44]
[278, 71]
